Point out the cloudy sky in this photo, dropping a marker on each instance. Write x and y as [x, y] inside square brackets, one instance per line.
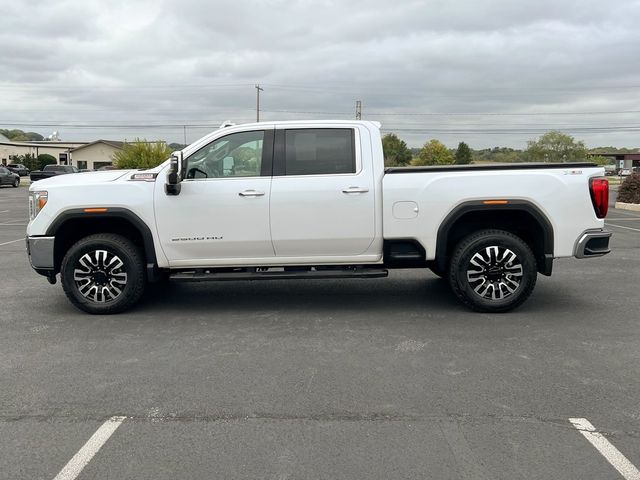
[485, 72]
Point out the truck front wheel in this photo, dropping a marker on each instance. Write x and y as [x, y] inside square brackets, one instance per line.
[492, 271]
[103, 274]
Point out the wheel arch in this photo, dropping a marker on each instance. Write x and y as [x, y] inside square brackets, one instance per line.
[75, 224]
[519, 217]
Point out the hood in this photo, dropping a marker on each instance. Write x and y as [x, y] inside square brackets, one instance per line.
[84, 178]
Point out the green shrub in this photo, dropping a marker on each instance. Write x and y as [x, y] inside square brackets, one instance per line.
[630, 189]
[141, 154]
[45, 159]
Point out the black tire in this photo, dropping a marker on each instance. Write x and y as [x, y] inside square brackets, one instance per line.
[502, 276]
[117, 288]
[16, 183]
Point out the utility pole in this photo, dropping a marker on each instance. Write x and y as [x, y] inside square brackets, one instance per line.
[258, 90]
[358, 109]
[184, 131]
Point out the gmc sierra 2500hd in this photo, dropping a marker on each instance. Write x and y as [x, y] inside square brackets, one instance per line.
[291, 200]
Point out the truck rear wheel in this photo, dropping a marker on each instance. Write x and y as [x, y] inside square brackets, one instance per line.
[492, 271]
[103, 274]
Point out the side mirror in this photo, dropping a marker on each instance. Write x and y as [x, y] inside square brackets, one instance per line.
[174, 177]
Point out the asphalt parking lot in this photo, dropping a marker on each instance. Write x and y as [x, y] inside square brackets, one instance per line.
[387, 378]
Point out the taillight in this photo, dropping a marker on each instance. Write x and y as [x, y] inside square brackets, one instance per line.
[599, 188]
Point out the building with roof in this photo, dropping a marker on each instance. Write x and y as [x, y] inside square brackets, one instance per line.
[622, 160]
[95, 154]
[91, 155]
[10, 150]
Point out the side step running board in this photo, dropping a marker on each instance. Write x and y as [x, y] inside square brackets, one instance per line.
[203, 275]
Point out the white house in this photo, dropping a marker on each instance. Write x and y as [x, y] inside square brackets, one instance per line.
[95, 154]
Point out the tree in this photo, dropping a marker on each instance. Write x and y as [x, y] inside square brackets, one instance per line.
[141, 154]
[45, 159]
[463, 154]
[602, 161]
[556, 146]
[396, 152]
[434, 152]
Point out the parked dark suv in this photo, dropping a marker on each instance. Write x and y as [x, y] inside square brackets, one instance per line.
[7, 177]
[19, 169]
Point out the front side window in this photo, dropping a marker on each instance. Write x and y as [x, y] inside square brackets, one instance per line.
[234, 155]
[319, 151]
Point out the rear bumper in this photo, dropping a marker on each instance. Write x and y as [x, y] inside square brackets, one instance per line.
[592, 243]
[40, 251]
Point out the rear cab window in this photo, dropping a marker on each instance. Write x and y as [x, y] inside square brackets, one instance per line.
[319, 151]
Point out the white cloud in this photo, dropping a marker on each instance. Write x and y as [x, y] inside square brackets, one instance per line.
[196, 61]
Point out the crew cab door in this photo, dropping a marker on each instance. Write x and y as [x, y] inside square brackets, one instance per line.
[222, 211]
[322, 193]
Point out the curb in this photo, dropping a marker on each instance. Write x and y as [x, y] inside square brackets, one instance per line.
[628, 206]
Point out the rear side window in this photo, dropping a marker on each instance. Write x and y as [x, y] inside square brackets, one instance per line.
[318, 151]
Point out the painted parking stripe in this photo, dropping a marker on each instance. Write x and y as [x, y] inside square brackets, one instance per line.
[80, 460]
[606, 449]
[12, 241]
[622, 226]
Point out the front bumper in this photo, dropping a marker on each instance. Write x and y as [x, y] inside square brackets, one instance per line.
[592, 243]
[40, 251]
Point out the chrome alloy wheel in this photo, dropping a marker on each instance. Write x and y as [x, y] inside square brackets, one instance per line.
[494, 273]
[99, 276]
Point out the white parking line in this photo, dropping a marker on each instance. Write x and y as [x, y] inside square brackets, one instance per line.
[606, 449]
[4, 211]
[621, 226]
[12, 241]
[80, 460]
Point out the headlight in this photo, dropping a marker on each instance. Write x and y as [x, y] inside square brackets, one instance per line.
[37, 201]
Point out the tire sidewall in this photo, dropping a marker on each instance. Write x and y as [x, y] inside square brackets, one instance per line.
[132, 266]
[460, 265]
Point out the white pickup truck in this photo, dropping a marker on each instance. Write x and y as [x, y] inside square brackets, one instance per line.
[293, 200]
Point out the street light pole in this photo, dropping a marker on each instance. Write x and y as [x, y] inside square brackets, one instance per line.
[258, 90]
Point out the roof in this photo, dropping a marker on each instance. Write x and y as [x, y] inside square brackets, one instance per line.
[112, 143]
[61, 145]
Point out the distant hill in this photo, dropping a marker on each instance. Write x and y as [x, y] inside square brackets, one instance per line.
[20, 136]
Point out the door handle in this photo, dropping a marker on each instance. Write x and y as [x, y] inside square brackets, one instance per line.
[355, 190]
[251, 193]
